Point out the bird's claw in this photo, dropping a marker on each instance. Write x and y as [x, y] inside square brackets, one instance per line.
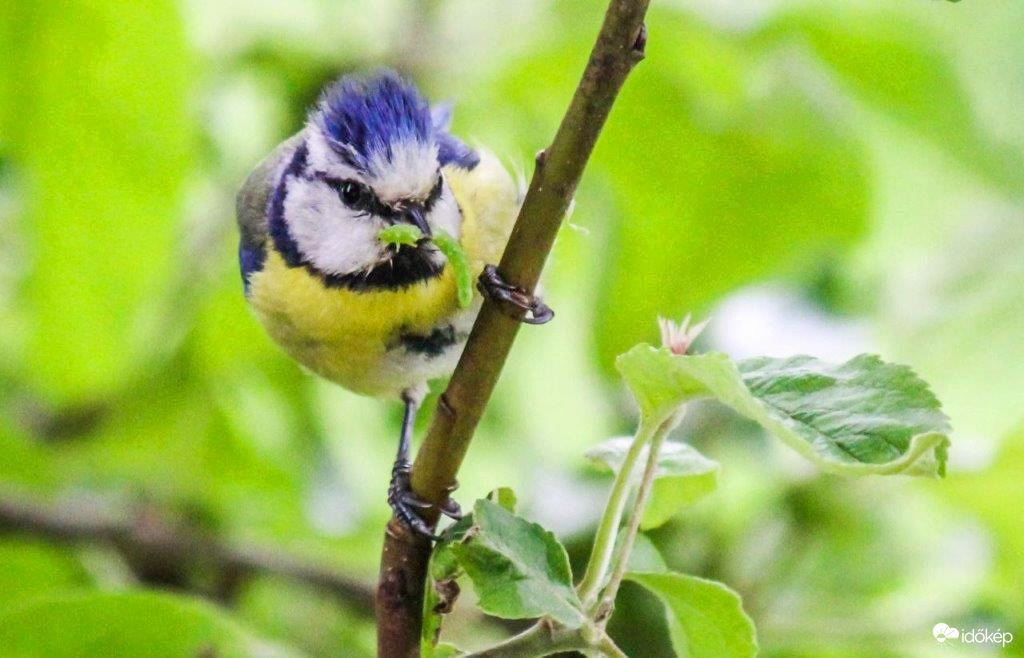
[530, 308]
[451, 509]
[405, 503]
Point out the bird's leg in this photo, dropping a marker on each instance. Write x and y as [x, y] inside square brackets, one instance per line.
[400, 495]
[525, 306]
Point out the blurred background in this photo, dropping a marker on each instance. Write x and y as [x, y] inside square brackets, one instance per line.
[825, 177]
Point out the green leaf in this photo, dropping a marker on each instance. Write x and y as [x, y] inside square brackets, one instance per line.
[505, 497]
[445, 650]
[457, 258]
[645, 556]
[675, 459]
[861, 417]
[432, 618]
[519, 570]
[651, 376]
[705, 618]
[441, 591]
[443, 564]
[133, 624]
[102, 135]
[671, 495]
[444, 569]
[682, 476]
[399, 234]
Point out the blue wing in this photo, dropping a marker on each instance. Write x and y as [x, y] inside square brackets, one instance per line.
[250, 259]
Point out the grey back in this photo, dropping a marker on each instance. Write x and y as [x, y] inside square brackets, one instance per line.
[251, 202]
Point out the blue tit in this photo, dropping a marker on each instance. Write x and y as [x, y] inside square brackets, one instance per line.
[380, 320]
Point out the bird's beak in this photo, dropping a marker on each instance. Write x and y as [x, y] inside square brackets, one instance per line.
[414, 215]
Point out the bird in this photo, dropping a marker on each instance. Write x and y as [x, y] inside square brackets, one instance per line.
[380, 320]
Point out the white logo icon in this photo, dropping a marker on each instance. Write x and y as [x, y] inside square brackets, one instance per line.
[943, 632]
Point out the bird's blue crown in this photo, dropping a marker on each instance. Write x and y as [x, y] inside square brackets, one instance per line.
[363, 117]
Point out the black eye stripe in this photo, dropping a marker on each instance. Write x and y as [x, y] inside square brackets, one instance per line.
[435, 193]
[368, 201]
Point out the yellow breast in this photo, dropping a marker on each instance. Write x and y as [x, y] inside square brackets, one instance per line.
[352, 337]
[342, 334]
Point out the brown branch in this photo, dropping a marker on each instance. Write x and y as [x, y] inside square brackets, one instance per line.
[152, 544]
[620, 45]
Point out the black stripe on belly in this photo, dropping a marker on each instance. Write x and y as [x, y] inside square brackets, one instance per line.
[430, 345]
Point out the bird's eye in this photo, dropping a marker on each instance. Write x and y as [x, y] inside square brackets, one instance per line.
[352, 194]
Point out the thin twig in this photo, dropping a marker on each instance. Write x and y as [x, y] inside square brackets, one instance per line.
[619, 46]
[643, 494]
[149, 540]
[607, 530]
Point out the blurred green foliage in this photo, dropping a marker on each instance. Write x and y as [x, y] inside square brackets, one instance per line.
[123, 625]
[864, 157]
[99, 132]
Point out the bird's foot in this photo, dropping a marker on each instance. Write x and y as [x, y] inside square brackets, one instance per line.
[513, 300]
[406, 504]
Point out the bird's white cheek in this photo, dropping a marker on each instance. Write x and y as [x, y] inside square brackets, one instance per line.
[330, 236]
[445, 215]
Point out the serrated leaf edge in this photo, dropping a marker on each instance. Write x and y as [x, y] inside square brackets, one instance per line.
[476, 534]
[918, 448]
